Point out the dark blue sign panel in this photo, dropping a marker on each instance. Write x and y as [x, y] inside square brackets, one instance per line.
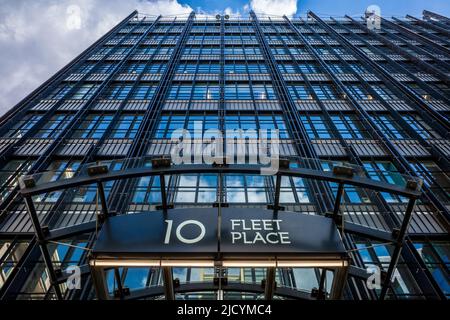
[179, 232]
[259, 232]
[195, 231]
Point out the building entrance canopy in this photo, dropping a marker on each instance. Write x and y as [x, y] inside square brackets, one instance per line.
[218, 236]
[240, 235]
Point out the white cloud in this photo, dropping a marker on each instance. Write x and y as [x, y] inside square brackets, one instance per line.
[274, 7]
[37, 38]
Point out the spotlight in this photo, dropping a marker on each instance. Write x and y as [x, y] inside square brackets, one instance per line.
[97, 169]
[221, 161]
[218, 17]
[162, 162]
[227, 17]
[27, 182]
[343, 171]
[413, 184]
[284, 163]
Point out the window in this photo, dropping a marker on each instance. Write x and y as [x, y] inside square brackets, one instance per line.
[148, 191]
[180, 92]
[57, 170]
[22, 126]
[55, 126]
[316, 126]
[324, 92]
[377, 255]
[93, 126]
[436, 179]
[384, 92]
[134, 67]
[118, 91]
[85, 68]
[61, 91]
[351, 194]
[199, 188]
[256, 68]
[267, 122]
[88, 194]
[349, 126]
[421, 127]
[206, 50]
[251, 68]
[205, 91]
[308, 68]
[144, 91]
[122, 50]
[146, 50]
[198, 68]
[247, 50]
[263, 92]
[10, 174]
[106, 67]
[127, 126]
[419, 91]
[85, 91]
[300, 92]
[245, 189]
[11, 252]
[156, 68]
[337, 68]
[389, 127]
[170, 123]
[292, 190]
[386, 172]
[436, 256]
[287, 68]
[358, 92]
[270, 122]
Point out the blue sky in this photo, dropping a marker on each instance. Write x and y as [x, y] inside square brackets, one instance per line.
[37, 38]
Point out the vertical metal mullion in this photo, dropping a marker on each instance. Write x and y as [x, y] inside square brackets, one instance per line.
[221, 197]
[79, 116]
[318, 189]
[378, 200]
[147, 128]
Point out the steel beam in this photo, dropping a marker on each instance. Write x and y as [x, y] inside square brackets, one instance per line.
[43, 246]
[438, 28]
[270, 284]
[430, 14]
[242, 169]
[168, 283]
[322, 193]
[398, 248]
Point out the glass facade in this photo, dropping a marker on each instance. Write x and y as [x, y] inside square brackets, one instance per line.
[334, 90]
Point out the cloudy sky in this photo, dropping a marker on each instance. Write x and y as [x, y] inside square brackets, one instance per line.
[37, 38]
